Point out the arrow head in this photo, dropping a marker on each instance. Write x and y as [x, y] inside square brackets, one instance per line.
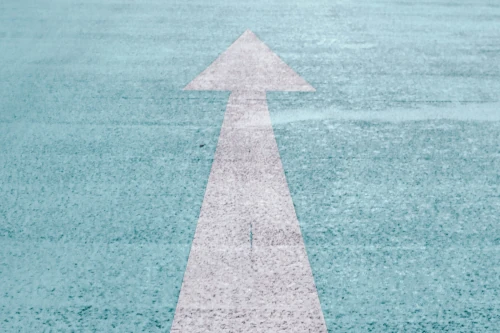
[249, 65]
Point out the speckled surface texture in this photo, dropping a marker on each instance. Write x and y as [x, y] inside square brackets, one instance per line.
[400, 222]
[392, 163]
[103, 167]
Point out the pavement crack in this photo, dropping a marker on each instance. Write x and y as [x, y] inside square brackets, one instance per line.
[251, 236]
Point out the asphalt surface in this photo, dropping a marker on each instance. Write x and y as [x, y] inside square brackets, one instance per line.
[392, 164]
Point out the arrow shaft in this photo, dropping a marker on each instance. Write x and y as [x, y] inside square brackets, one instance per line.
[248, 270]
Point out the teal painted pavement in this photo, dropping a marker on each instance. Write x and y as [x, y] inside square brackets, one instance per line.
[392, 164]
[103, 165]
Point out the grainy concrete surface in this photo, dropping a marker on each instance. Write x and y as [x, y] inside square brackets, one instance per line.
[392, 163]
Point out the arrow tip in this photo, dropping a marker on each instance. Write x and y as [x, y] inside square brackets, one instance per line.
[249, 65]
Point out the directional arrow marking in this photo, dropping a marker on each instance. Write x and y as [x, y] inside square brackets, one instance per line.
[248, 269]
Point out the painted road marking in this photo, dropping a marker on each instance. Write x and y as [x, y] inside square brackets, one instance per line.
[248, 269]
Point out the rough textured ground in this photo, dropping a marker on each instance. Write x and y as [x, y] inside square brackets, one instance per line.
[392, 164]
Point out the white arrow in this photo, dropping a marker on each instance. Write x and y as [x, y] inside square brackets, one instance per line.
[248, 269]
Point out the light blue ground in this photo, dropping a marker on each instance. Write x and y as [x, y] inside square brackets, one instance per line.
[102, 174]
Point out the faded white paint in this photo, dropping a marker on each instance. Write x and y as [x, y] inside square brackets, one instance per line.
[248, 269]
